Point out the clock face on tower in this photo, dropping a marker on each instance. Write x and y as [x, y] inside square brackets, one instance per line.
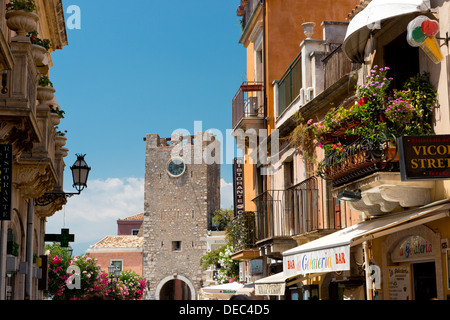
[176, 167]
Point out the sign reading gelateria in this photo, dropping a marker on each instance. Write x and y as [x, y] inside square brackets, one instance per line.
[326, 260]
[413, 248]
[424, 157]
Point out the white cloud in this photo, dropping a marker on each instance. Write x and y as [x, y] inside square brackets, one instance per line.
[93, 214]
[226, 194]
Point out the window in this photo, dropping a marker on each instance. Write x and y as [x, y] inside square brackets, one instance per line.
[134, 232]
[402, 59]
[176, 245]
[117, 264]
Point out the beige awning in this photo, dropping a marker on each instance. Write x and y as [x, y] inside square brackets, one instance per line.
[369, 19]
[332, 252]
[276, 284]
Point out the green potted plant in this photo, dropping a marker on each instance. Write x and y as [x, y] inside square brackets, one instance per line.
[39, 47]
[21, 18]
[45, 90]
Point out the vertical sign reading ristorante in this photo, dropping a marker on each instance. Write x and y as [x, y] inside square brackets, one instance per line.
[238, 177]
[5, 181]
[424, 157]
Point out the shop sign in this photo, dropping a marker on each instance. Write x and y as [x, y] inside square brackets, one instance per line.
[270, 289]
[5, 181]
[424, 157]
[413, 248]
[399, 278]
[238, 181]
[327, 260]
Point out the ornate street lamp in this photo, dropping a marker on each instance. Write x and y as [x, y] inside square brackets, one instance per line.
[80, 173]
[114, 274]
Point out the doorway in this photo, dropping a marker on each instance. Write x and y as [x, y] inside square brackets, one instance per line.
[175, 290]
[424, 279]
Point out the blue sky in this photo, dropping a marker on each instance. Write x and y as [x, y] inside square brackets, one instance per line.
[139, 67]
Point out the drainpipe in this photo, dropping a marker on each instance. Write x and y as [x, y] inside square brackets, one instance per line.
[29, 250]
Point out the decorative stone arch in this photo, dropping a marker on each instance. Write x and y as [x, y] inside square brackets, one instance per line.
[174, 277]
[393, 240]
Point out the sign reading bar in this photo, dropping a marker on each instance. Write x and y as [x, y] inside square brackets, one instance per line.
[238, 180]
[424, 157]
[326, 260]
[6, 158]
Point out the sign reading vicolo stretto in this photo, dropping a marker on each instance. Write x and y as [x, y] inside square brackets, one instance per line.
[5, 181]
[424, 157]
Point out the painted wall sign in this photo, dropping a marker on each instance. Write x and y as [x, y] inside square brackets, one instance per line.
[413, 248]
[327, 260]
[6, 158]
[424, 157]
[238, 186]
[399, 283]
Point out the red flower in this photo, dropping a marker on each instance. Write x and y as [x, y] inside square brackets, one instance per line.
[363, 101]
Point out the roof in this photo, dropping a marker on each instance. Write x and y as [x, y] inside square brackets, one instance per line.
[119, 242]
[136, 217]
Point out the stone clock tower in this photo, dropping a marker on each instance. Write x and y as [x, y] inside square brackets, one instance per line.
[181, 192]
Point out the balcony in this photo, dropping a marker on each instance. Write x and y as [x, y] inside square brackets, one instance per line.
[336, 65]
[248, 107]
[245, 11]
[244, 236]
[283, 215]
[290, 84]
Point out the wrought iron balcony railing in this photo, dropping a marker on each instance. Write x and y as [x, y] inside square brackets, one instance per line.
[244, 232]
[359, 159]
[293, 211]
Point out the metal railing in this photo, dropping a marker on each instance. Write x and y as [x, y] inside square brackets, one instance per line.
[248, 102]
[290, 84]
[248, 12]
[359, 159]
[244, 231]
[292, 211]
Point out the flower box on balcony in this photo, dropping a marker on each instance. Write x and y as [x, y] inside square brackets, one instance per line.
[356, 161]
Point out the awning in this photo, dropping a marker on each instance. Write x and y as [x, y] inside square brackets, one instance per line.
[221, 291]
[369, 19]
[332, 252]
[276, 284]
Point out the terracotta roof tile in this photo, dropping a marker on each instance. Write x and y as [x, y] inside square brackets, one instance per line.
[136, 217]
[119, 242]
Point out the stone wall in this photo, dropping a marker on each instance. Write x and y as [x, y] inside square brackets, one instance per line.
[176, 216]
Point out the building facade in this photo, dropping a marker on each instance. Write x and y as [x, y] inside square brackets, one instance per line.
[124, 250]
[394, 221]
[276, 172]
[182, 191]
[32, 149]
